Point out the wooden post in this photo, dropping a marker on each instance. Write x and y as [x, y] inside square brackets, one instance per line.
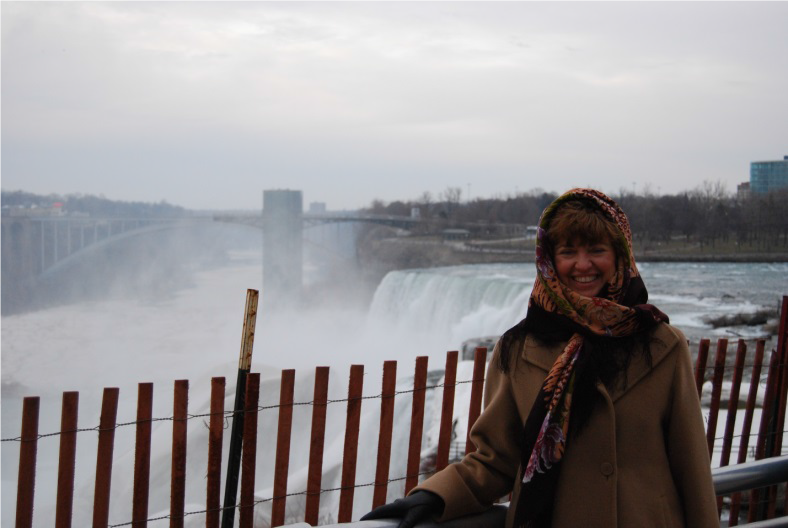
[775, 434]
[447, 411]
[700, 364]
[282, 464]
[66, 465]
[477, 388]
[744, 442]
[317, 440]
[384, 436]
[236, 434]
[733, 407]
[714, 408]
[180, 418]
[757, 509]
[416, 424]
[350, 457]
[28, 449]
[782, 350]
[106, 444]
[215, 438]
[246, 506]
[139, 508]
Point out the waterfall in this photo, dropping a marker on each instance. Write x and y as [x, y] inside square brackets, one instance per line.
[455, 303]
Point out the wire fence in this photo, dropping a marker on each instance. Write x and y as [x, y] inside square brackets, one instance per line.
[767, 435]
[229, 414]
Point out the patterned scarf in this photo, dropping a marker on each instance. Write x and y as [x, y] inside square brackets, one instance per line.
[619, 311]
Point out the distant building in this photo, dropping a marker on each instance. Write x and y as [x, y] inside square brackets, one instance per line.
[768, 176]
[455, 234]
[743, 191]
[317, 207]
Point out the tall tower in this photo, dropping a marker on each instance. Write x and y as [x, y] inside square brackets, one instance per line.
[282, 248]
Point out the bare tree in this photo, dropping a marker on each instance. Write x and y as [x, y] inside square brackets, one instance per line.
[452, 195]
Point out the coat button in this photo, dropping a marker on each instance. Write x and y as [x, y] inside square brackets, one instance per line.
[606, 468]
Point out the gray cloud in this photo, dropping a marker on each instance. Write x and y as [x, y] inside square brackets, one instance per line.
[205, 104]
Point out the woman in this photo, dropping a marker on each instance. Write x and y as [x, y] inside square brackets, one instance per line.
[592, 418]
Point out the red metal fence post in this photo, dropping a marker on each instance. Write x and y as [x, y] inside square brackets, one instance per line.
[716, 388]
[700, 364]
[249, 452]
[733, 402]
[447, 410]
[316, 444]
[782, 351]
[774, 442]
[733, 406]
[282, 464]
[349, 459]
[28, 448]
[215, 438]
[757, 510]
[67, 460]
[416, 424]
[384, 436]
[106, 444]
[180, 417]
[477, 389]
[744, 441]
[139, 508]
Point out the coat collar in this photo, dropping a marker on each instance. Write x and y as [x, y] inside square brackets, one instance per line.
[543, 355]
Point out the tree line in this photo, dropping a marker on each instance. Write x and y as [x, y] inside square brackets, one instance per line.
[705, 216]
[89, 204]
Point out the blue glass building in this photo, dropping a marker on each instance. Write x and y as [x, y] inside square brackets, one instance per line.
[768, 176]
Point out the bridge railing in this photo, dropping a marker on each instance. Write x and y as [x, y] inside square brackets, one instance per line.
[760, 503]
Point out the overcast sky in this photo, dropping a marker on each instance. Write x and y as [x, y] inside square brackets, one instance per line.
[207, 104]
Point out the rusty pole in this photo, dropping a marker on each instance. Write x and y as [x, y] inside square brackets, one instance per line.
[236, 435]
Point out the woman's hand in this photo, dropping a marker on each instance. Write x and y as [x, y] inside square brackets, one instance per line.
[413, 509]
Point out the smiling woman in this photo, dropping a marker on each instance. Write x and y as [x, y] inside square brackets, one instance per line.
[591, 413]
[581, 243]
[586, 269]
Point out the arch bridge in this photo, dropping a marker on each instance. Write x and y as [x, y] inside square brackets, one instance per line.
[34, 246]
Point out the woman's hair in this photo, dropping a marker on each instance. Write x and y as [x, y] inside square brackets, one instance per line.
[582, 222]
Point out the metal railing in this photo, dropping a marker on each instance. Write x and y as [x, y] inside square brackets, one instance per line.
[730, 479]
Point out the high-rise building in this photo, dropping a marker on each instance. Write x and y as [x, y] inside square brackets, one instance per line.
[768, 176]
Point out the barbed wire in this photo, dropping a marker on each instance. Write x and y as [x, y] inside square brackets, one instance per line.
[228, 414]
[231, 413]
[271, 499]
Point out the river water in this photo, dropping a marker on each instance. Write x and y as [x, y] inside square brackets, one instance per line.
[194, 333]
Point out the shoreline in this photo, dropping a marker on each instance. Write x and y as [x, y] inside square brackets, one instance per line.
[721, 257]
[389, 254]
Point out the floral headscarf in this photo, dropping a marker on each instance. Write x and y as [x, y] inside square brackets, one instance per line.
[619, 311]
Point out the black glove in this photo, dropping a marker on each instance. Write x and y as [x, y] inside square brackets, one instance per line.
[413, 509]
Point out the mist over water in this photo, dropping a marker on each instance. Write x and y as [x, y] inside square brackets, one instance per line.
[192, 330]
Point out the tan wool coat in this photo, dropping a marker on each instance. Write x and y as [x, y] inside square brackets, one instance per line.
[640, 462]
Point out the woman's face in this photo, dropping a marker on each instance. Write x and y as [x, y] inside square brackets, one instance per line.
[585, 268]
